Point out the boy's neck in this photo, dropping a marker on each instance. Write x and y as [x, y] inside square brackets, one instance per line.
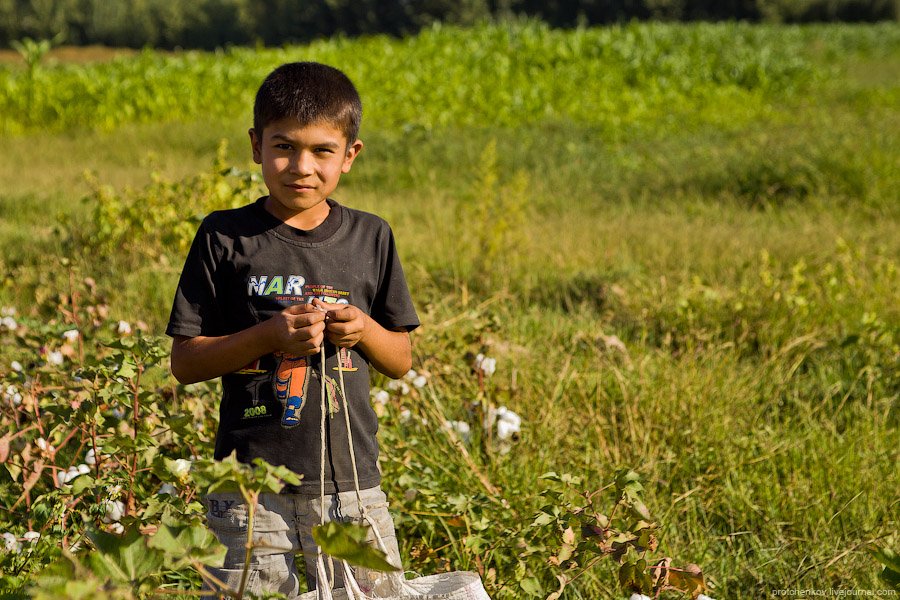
[305, 219]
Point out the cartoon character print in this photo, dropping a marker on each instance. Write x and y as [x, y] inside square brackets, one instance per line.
[291, 385]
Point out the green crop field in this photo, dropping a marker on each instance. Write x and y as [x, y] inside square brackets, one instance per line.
[678, 244]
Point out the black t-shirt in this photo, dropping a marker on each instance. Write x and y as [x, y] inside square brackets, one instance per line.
[244, 266]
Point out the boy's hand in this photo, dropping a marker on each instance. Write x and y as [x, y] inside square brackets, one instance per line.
[345, 324]
[298, 330]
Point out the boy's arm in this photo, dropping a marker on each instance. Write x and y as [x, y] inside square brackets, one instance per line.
[389, 351]
[297, 330]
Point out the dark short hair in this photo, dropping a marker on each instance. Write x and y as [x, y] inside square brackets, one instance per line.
[311, 93]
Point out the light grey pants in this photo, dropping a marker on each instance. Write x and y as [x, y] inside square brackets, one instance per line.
[282, 527]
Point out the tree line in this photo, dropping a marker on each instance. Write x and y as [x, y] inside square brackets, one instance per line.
[210, 24]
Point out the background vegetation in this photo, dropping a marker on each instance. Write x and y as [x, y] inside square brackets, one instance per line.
[678, 242]
[215, 23]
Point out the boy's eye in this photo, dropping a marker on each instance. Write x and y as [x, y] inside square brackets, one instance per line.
[324, 151]
[283, 146]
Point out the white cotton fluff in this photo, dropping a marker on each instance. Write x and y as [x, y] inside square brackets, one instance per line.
[485, 364]
[11, 394]
[11, 543]
[123, 328]
[181, 467]
[167, 488]
[461, 428]
[113, 511]
[71, 335]
[381, 397]
[31, 536]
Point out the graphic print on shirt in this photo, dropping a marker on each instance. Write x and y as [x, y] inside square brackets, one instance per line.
[345, 363]
[292, 374]
[291, 385]
[294, 289]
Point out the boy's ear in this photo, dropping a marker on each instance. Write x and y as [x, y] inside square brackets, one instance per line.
[256, 145]
[353, 151]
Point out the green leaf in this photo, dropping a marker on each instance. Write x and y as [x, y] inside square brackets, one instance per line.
[182, 545]
[82, 483]
[126, 558]
[531, 586]
[347, 541]
[127, 369]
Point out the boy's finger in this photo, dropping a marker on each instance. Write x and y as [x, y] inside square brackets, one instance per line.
[347, 313]
[300, 309]
[341, 329]
[306, 319]
[303, 329]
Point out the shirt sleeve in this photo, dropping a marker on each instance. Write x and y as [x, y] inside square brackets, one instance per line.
[196, 310]
[393, 307]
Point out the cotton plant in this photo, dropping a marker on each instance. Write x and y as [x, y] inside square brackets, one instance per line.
[12, 395]
[54, 357]
[485, 365]
[11, 543]
[503, 424]
[72, 473]
[460, 428]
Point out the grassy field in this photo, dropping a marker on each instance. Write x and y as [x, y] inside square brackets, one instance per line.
[680, 243]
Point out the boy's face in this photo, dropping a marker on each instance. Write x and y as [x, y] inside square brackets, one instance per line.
[301, 165]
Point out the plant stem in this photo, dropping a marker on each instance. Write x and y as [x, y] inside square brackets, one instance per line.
[250, 497]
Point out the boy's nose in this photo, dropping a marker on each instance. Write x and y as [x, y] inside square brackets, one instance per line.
[302, 163]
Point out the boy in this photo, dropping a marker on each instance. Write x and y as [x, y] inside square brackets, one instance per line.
[263, 287]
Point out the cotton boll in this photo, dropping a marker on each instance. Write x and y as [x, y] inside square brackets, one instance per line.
[381, 397]
[114, 510]
[461, 428]
[83, 469]
[181, 467]
[16, 366]
[11, 394]
[117, 528]
[167, 488]
[90, 458]
[71, 335]
[506, 430]
[639, 597]
[504, 414]
[11, 543]
[31, 536]
[55, 357]
[419, 381]
[485, 364]
[123, 328]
